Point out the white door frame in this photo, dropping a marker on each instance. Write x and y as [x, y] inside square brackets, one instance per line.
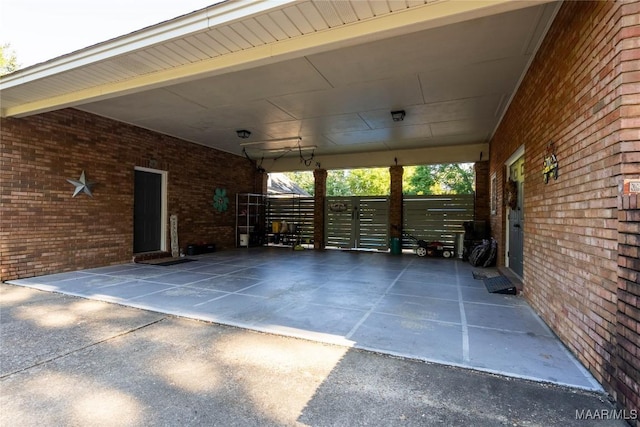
[510, 161]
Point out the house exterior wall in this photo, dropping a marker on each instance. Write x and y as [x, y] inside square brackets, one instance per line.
[627, 360]
[44, 230]
[580, 100]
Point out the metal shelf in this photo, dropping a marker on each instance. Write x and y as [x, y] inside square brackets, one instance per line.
[250, 219]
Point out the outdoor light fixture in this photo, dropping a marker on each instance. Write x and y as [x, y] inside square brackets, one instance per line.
[266, 141]
[243, 133]
[398, 116]
[288, 149]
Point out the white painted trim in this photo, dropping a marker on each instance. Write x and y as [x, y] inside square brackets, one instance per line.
[514, 157]
[430, 15]
[371, 159]
[194, 22]
[510, 161]
[164, 215]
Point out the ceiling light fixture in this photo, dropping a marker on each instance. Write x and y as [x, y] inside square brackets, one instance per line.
[266, 141]
[287, 149]
[398, 115]
[243, 133]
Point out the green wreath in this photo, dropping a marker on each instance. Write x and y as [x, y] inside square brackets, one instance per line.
[220, 200]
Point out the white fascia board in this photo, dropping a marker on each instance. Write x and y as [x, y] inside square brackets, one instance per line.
[410, 157]
[195, 22]
[430, 15]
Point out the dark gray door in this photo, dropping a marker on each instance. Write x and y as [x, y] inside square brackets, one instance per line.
[516, 220]
[147, 212]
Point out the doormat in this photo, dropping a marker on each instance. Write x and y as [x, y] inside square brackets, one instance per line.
[174, 262]
[500, 285]
[484, 274]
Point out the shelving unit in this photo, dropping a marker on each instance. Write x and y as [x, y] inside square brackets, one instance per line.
[296, 212]
[250, 219]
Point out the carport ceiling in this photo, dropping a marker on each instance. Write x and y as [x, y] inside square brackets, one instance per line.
[317, 73]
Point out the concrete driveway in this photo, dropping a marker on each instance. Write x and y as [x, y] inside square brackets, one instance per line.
[430, 309]
[70, 361]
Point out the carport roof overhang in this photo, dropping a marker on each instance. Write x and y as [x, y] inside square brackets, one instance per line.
[321, 75]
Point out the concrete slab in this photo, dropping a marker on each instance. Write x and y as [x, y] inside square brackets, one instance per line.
[71, 361]
[38, 327]
[427, 309]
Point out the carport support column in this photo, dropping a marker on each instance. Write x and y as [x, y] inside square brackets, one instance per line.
[395, 201]
[261, 184]
[483, 192]
[320, 191]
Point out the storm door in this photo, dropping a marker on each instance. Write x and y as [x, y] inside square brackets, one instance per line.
[147, 215]
[516, 217]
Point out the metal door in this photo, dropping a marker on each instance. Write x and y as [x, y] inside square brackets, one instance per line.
[339, 222]
[372, 228]
[516, 219]
[147, 212]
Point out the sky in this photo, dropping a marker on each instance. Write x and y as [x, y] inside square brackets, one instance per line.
[40, 30]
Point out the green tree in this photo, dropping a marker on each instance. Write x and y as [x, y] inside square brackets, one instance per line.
[454, 178]
[368, 182]
[419, 180]
[304, 179]
[8, 59]
[409, 171]
[422, 180]
[337, 183]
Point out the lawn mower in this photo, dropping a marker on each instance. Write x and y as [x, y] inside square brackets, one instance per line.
[432, 249]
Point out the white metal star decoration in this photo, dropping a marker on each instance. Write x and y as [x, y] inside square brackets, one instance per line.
[82, 185]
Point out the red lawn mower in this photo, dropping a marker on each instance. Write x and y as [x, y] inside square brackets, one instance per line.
[432, 249]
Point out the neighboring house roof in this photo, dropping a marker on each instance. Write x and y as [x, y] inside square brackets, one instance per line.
[279, 183]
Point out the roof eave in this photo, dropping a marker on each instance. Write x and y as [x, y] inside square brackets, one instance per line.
[200, 20]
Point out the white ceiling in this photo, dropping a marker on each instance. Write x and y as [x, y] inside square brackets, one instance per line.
[454, 78]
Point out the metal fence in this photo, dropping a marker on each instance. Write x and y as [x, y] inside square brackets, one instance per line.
[294, 210]
[363, 222]
[436, 218]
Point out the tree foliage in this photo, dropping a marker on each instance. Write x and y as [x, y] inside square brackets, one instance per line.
[304, 179]
[8, 59]
[368, 182]
[337, 184]
[418, 180]
[454, 178]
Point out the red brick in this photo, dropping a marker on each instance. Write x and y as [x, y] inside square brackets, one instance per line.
[51, 232]
[581, 244]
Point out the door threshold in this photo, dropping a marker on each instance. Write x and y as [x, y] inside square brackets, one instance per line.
[146, 256]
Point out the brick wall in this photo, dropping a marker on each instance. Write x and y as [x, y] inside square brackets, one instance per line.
[44, 230]
[482, 198]
[576, 95]
[627, 359]
[319, 194]
[395, 201]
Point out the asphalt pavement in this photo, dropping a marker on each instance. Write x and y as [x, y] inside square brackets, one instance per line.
[69, 361]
